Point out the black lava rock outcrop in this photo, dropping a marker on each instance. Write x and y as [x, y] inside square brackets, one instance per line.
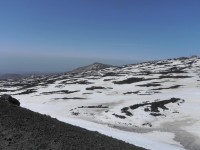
[152, 107]
[9, 99]
[32, 131]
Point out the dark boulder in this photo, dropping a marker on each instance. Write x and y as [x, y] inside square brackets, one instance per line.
[10, 99]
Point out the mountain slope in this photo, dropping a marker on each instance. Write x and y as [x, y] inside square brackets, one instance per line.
[153, 98]
[93, 67]
[22, 129]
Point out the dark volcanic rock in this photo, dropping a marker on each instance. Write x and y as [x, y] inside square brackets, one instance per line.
[153, 106]
[111, 74]
[66, 98]
[149, 85]
[147, 124]
[135, 92]
[129, 81]
[99, 106]
[156, 114]
[60, 92]
[125, 110]
[171, 87]
[29, 91]
[173, 77]
[29, 130]
[10, 99]
[119, 116]
[95, 87]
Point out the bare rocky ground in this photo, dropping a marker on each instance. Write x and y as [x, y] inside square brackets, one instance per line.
[22, 129]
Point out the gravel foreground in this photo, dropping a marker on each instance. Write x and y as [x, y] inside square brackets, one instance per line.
[22, 129]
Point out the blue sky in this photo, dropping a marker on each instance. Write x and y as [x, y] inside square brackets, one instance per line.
[58, 35]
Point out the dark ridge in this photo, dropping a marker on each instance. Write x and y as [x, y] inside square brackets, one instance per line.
[35, 81]
[66, 98]
[133, 80]
[175, 77]
[92, 78]
[146, 73]
[97, 87]
[29, 91]
[51, 81]
[108, 79]
[129, 81]
[81, 82]
[149, 85]
[177, 69]
[22, 129]
[162, 63]
[119, 116]
[84, 82]
[136, 92]
[69, 80]
[156, 114]
[171, 87]
[86, 93]
[111, 74]
[60, 92]
[181, 58]
[5, 90]
[23, 85]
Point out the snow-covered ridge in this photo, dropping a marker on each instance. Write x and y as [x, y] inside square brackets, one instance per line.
[146, 100]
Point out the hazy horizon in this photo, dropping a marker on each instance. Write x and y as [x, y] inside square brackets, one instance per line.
[57, 36]
[61, 65]
[54, 65]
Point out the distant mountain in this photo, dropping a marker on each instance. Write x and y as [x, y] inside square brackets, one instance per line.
[93, 67]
